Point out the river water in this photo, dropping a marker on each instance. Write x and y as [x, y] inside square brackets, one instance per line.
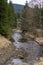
[30, 47]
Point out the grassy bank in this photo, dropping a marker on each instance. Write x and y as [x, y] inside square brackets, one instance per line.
[6, 50]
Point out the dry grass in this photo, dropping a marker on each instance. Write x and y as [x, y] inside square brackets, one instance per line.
[40, 62]
[39, 39]
[6, 50]
[4, 42]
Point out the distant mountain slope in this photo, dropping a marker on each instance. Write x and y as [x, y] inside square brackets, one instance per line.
[18, 7]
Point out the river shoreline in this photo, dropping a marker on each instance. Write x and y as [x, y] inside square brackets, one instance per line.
[39, 40]
[7, 50]
[6, 53]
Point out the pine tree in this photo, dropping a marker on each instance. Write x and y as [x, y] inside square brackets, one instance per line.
[24, 23]
[11, 15]
[42, 17]
[36, 16]
[4, 26]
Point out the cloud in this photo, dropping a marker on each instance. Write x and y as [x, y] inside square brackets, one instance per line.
[19, 1]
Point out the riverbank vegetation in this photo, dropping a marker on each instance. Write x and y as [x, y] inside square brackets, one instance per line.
[32, 20]
[7, 50]
[7, 18]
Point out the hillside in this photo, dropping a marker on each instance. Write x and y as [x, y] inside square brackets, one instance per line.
[18, 7]
[6, 49]
[4, 42]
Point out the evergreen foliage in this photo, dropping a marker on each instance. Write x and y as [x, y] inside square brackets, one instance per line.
[25, 14]
[7, 18]
[4, 27]
[11, 15]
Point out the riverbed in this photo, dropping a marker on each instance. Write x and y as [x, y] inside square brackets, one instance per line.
[32, 51]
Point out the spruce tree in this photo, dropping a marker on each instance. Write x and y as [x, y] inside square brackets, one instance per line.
[42, 17]
[4, 26]
[25, 14]
[11, 15]
[36, 16]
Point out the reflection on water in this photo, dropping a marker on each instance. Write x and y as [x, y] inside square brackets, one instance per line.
[16, 61]
[16, 36]
[31, 47]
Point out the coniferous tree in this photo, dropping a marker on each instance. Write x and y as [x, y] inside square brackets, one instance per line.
[4, 27]
[42, 17]
[24, 23]
[36, 16]
[11, 15]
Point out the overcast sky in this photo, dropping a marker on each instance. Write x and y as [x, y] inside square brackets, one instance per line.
[19, 1]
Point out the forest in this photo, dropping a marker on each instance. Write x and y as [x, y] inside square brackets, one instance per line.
[30, 18]
[7, 18]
